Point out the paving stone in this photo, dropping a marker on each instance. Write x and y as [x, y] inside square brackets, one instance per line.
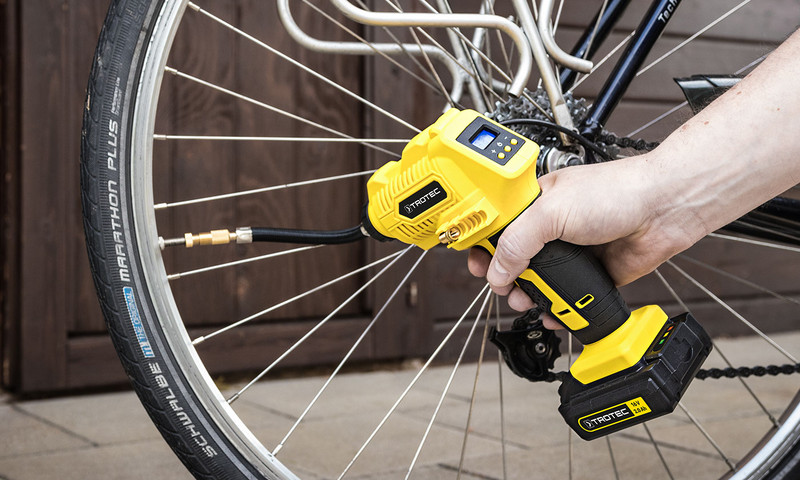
[347, 395]
[23, 434]
[103, 419]
[335, 442]
[131, 461]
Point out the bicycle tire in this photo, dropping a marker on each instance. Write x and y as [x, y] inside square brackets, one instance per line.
[132, 323]
[189, 420]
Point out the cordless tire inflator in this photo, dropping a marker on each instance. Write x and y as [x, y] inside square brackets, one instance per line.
[460, 182]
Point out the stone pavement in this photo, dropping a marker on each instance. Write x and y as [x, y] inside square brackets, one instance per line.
[109, 437]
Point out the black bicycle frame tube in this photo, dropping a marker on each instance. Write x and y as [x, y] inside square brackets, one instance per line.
[594, 36]
[647, 33]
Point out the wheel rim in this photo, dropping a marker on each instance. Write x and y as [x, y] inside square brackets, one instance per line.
[158, 283]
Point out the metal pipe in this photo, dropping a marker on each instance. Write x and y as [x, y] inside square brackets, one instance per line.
[550, 82]
[549, 41]
[389, 19]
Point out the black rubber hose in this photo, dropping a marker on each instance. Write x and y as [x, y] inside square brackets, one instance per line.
[314, 237]
[552, 126]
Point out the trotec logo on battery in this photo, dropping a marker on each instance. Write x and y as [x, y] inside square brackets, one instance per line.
[616, 414]
[605, 417]
[422, 200]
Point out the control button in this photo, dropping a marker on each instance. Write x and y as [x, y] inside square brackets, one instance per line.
[501, 155]
[507, 148]
[513, 141]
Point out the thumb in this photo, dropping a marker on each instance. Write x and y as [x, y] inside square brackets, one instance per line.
[521, 240]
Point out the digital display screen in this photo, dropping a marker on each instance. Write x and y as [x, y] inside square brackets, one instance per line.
[483, 138]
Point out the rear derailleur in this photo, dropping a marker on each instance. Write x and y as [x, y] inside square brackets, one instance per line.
[529, 349]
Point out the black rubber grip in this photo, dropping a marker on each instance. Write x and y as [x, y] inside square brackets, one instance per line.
[574, 274]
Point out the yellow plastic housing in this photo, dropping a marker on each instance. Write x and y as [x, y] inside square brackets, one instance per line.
[622, 348]
[473, 213]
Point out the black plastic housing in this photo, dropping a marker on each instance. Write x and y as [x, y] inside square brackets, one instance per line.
[659, 379]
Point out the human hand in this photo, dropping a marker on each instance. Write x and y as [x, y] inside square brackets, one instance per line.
[618, 207]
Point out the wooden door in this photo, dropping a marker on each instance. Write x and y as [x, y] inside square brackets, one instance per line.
[52, 335]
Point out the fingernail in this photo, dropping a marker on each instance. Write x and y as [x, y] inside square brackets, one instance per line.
[501, 275]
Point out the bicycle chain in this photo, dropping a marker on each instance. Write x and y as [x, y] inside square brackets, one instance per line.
[758, 371]
[639, 145]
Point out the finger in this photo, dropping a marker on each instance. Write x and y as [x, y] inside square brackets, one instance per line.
[478, 261]
[522, 239]
[502, 290]
[551, 324]
[519, 300]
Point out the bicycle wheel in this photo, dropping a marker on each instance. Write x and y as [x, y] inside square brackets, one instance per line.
[170, 145]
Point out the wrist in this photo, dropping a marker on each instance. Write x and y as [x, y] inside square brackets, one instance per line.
[675, 202]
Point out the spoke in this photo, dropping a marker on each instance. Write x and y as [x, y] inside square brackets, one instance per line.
[557, 21]
[203, 338]
[569, 430]
[266, 106]
[611, 454]
[747, 387]
[503, 49]
[305, 68]
[602, 61]
[738, 279]
[468, 43]
[500, 363]
[586, 54]
[176, 276]
[428, 62]
[235, 138]
[402, 47]
[736, 314]
[658, 451]
[771, 231]
[468, 71]
[658, 119]
[433, 71]
[350, 352]
[475, 385]
[448, 384]
[708, 437]
[678, 107]
[760, 243]
[719, 352]
[378, 52]
[688, 40]
[162, 206]
[317, 326]
[413, 381]
[788, 237]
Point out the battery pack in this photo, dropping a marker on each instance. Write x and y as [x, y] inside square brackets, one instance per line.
[650, 388]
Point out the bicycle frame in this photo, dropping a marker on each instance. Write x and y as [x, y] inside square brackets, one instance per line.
[648, 31]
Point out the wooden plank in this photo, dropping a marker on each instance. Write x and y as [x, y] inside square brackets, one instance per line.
[44, 281]
[323, 206]
[91, 360]
[9, 200]
[201, 49]
[407, 323]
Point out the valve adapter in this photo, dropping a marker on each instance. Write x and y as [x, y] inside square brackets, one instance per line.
[460, 182]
